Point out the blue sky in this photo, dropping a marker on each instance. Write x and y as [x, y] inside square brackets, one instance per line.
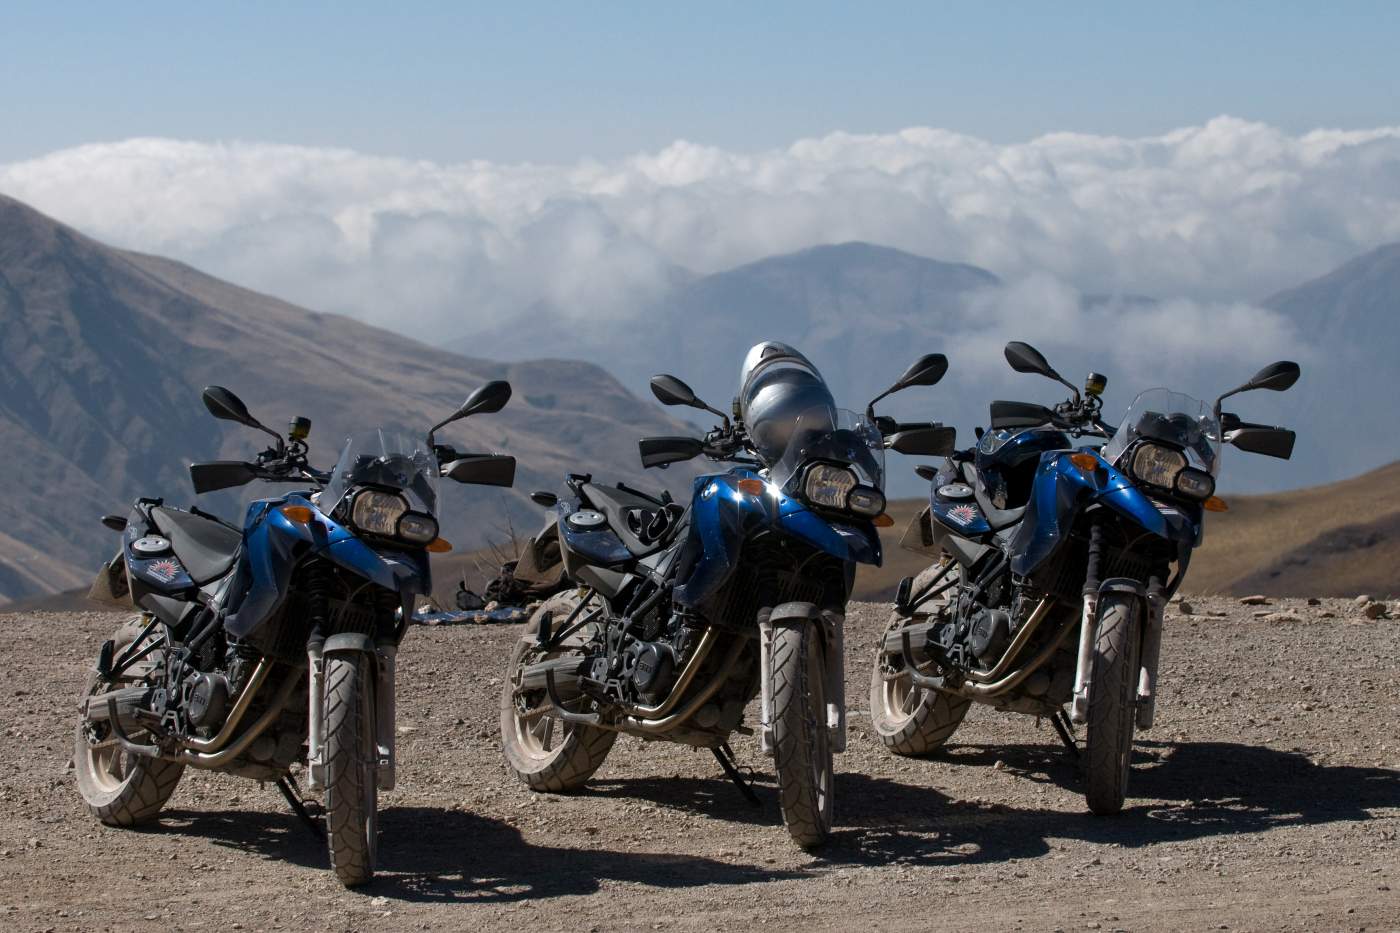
[558, 82]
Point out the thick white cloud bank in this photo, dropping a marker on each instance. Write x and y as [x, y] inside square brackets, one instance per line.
[1223, 212]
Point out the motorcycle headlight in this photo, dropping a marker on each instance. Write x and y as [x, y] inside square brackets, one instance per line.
[1158, 465]
[866, 501]
[417, 528]
[377, 513]
[1195, 484]
[828, 485]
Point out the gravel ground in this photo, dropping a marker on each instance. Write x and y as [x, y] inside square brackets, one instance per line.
[1267, 798]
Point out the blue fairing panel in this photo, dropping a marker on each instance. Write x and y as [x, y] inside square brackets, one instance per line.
[1062, 490]
[723, 517]
[275, 545]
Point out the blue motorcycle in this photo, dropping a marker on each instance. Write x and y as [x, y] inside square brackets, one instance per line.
[311, 596]
[1055, 562]
[685, 613]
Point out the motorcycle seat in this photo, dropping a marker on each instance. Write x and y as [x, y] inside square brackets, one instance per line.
[207, 548]
[631, 515]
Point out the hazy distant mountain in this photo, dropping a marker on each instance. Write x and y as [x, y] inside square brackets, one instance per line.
[103, 354]
[1351, 319]
[862, 312]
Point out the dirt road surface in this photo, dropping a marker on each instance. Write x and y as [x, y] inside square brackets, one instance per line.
[1267, 798]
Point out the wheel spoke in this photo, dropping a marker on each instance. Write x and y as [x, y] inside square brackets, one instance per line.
[112, 763]
[548, 740]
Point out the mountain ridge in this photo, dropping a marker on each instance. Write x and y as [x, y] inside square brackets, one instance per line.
[104, 354]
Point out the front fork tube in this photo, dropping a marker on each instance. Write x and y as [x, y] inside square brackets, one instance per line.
[386, 656]
[1088, 629]
[1151, 651]
[384, 713]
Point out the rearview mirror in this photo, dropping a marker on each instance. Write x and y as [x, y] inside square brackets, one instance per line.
[1276, 376]
[490, 398]
[1025, 358]
[671, 391]
[926, 371]
[486, 400]
[226, 406]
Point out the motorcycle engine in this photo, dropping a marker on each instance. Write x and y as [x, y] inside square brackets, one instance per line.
[639, 669]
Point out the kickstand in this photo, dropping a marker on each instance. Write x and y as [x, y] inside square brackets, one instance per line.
[287, 785]
[1062, 728]
[725, 756]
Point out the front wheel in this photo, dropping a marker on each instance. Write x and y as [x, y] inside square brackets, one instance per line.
[1108, 739]
[352, 763]
[801, 743]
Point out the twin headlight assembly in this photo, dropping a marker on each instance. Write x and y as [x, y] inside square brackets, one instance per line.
[829, 486]
[387, 515]
[1166, 468]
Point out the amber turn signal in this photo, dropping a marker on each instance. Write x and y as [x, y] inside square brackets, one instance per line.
[1086, 462]
[753, 487]
[299, 514]
[439, 545]
[883, 520]
[1215, 504]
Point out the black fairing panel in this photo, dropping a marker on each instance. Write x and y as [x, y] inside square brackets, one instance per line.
[206, 548]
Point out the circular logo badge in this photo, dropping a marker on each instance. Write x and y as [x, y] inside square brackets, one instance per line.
[150, 545]
[955, 491]
[587, 518]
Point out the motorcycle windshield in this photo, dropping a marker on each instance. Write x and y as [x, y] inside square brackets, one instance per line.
[833, 435]
[1171, 418]
[384, 459]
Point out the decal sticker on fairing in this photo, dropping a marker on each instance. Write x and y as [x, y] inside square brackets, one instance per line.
[963, 514]
[164, 570]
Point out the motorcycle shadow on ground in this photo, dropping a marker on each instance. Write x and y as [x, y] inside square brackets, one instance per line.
[1176, 792]
[433, 855]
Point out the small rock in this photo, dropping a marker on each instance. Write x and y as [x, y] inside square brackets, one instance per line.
[1185, 608]
[1281, 617]
[1314, 601]
[1327, 614]
[1362, 600]
[378, 901]
[1256, 600]
[999, 766]
[1373, 610]
[1263, 614]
